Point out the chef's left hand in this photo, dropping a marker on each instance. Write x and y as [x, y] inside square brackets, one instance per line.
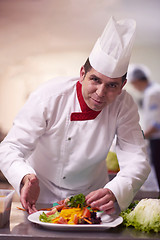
[29, 192]
[102, 199]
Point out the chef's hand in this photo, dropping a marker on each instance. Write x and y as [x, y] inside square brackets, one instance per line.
[102, 199]
[29, 192]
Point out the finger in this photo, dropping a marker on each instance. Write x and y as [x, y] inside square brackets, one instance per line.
[101, 201]
[23, 198]
[94, 196]
[24, 203]
[99, 192]
[31, 208]
[110, 211]
[34, 208]
[107, 206]
[89, 195]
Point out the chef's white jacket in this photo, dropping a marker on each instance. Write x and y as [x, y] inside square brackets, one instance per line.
[151, 109]
[69, 156]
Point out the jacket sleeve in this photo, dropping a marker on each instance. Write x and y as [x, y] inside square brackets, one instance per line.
[21, 140]
[131, 153]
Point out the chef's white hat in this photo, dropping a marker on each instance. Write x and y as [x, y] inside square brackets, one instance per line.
[138, 71]
[112, 51]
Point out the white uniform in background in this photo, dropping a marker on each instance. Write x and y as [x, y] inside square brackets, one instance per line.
[151, 108]
[69, 156]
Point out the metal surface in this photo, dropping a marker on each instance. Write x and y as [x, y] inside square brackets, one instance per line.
[20, 228]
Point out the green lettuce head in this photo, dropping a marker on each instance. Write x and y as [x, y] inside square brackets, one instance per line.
[145, 216]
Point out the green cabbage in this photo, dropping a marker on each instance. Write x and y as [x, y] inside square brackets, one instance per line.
[144, 217]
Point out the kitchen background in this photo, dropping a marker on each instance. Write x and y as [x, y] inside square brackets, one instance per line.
[41, 39]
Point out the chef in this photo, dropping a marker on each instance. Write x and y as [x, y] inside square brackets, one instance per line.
[60, 139]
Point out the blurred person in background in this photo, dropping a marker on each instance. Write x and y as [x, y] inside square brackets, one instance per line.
[139, 77]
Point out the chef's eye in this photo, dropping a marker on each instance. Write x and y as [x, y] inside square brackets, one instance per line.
[112, 85]
[95, 79]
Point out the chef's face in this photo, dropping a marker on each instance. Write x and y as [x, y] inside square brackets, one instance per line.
[99, 90]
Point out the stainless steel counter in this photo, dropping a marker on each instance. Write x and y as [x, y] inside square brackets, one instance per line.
[20, 228]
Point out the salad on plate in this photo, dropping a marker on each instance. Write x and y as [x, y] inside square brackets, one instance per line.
[71, 211]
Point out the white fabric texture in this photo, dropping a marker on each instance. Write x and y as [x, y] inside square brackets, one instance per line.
[151, 109]
[69, 156]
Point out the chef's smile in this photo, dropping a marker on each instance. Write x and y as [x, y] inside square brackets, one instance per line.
[97, 104]
[97, 101]
[99, 90]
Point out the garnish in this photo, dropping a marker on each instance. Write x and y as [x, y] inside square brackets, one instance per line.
[77, 201]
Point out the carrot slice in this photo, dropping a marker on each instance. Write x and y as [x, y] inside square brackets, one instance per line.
[21, 209]
[87, 220]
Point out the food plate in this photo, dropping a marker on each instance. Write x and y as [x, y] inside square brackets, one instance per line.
[108, 221]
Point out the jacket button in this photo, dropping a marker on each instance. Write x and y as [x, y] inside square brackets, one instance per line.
[69, 138]
[64, 177]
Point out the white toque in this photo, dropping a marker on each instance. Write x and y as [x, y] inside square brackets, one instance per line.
[112, 51]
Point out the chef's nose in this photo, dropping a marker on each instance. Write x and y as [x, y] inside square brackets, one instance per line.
[101, 90]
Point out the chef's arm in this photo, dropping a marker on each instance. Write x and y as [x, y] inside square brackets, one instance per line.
[29, 192]
[21, 141]
[131, 154]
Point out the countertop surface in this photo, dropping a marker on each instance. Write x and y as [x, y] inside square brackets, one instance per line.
[20, 228]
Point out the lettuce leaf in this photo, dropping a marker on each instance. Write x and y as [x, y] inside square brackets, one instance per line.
[44, 218]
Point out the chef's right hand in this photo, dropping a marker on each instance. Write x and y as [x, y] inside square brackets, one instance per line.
[29, 192]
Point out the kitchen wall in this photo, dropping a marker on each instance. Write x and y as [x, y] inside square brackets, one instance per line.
[38, 42]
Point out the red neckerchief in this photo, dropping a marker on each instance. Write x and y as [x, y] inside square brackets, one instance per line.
[87, 113]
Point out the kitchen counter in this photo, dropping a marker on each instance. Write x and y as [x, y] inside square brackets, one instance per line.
[20, 228]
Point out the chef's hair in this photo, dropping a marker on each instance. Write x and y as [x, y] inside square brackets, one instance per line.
[138, 72]
[87, 67]
[140, 75]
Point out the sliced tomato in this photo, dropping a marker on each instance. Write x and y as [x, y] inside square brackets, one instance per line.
[53, 211]
[75, 220]
[86, 213]
[62, 220]
[61, 202]
[59, 207]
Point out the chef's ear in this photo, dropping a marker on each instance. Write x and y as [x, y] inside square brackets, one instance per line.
[124, 83]
[82, 74]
